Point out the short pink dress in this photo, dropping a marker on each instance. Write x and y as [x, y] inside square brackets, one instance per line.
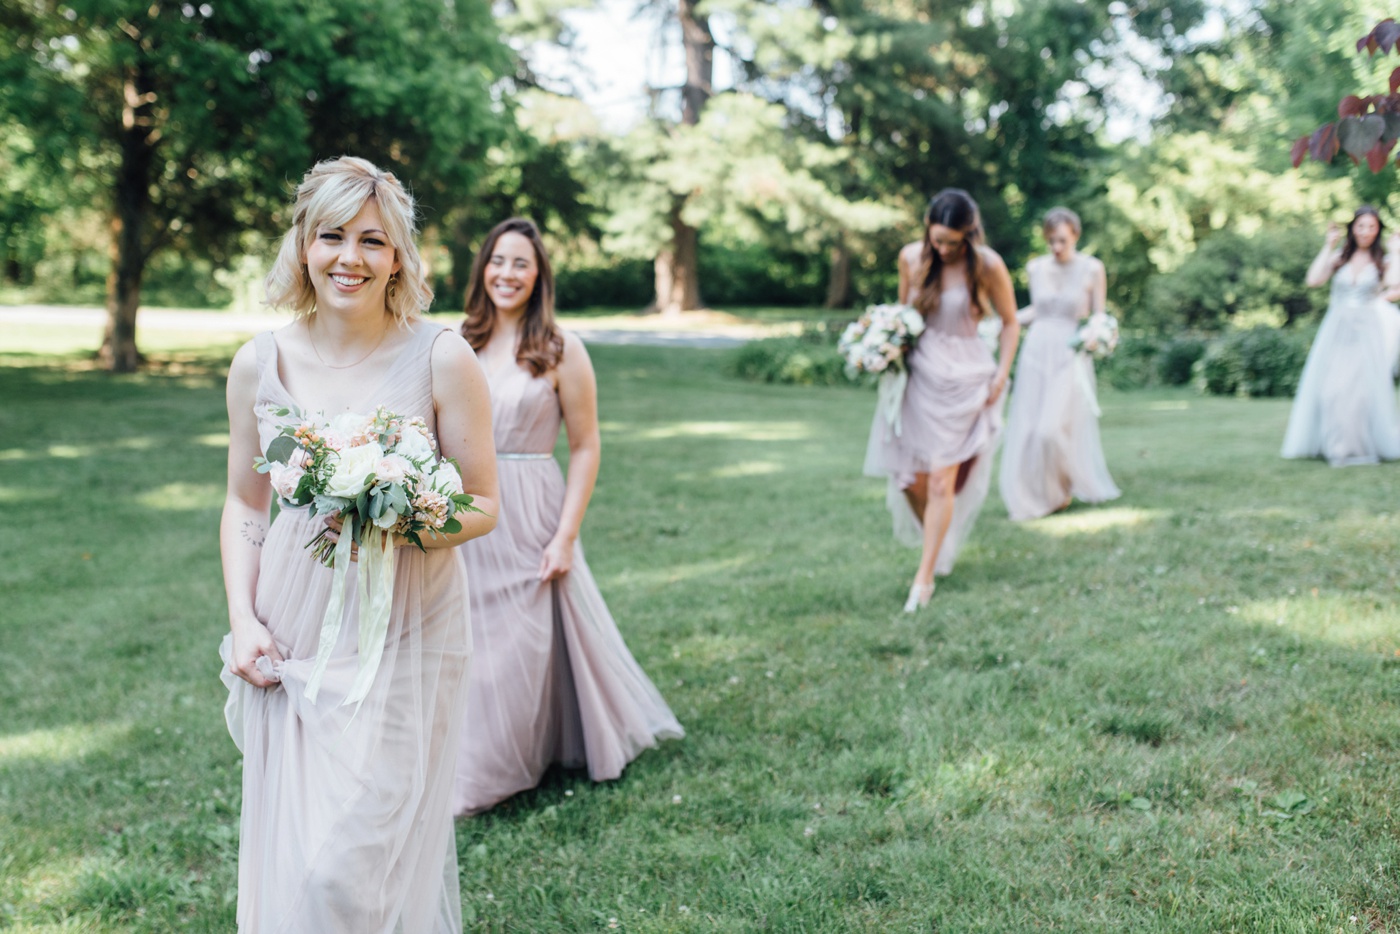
[552, 680]
[945, 420]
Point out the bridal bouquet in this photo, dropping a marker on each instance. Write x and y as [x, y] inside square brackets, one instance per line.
[381, 476]
[379, 471]
[877, 342]
[1097, 336]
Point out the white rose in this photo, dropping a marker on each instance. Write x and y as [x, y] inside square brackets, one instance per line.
[393, 468]
[345, 430]
[446, 477]
[353, 469]
[285, 479]
[414, 445]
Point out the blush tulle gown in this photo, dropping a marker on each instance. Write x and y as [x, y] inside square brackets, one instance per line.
[347, 821]
[552, 681]
[1344, 409]
[945, 420]
[1052, 449]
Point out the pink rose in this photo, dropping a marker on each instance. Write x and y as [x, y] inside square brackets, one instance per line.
[285, 478]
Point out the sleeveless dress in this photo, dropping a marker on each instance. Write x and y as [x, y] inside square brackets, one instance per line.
[945, 421]
[347, 822]
[1052, 449]
[1344, 409]
[552, 680]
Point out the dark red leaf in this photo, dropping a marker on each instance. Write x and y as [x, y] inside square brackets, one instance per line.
[1323, 146]
[1387, 33]
[1353, 106]
[1357, 135]
[1395, 81]
[1300, 151]
[1379, 155]
[1366, 44]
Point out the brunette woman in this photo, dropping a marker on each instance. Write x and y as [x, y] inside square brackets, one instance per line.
[552, 681]
[939, 464]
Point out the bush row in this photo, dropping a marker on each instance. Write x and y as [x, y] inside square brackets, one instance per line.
[806, 359]
[1260, 361]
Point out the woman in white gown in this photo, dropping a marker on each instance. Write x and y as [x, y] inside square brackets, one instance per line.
[1345, 406]
[1052, 451]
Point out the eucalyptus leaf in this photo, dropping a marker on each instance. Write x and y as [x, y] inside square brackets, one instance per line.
[281, 449]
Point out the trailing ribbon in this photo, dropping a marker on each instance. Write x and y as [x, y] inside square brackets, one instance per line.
[335, 609]
[376, 599]
[375, 584]
[1083, 367]
[891, 394]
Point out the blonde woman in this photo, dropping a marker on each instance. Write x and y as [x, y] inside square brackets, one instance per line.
[1052, 452]
[346, 821]
[552, 681]
[938, 466]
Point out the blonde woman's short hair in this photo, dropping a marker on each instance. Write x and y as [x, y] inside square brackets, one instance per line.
[1061, 215]
[330, 195]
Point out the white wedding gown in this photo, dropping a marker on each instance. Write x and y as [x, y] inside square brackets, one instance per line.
[1345, 406]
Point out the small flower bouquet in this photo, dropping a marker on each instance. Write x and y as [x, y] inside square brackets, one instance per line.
[1097, 336]
[377, 473]
[374, 472]
[877, 341]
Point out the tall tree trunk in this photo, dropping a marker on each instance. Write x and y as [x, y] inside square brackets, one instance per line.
[677, 267]
[677, 274]
[130, 220]
[838, 282]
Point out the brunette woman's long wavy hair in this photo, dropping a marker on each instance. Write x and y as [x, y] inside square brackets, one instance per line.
[1376, 250]
[952, 208]
[541, 343]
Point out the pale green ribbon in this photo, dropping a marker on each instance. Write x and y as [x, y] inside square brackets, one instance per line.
[376, 590]
[891, 394]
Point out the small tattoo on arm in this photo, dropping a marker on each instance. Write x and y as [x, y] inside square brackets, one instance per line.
[255, 533]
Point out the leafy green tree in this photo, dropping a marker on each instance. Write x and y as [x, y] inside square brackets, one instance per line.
[196, 116]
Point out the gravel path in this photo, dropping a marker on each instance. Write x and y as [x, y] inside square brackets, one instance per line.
[640, 331]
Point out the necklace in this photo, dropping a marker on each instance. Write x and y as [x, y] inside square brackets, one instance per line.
[344, 366]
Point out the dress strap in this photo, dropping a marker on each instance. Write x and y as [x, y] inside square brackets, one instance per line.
[265, 348]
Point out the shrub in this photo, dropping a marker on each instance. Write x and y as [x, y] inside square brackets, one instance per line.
[626, 284]
[1259, 362]
[1177, 358]
[1133, 364]
[806, 359]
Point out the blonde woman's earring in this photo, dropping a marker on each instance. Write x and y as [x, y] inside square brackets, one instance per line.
[393, 284]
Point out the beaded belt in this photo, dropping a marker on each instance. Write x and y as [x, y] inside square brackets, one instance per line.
[522, 457]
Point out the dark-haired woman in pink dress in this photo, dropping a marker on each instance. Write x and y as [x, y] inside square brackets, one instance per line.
[552, 681]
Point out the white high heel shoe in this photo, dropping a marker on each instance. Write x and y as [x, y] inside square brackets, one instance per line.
[919, 596]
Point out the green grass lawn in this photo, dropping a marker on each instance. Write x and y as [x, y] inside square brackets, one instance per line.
[1175, 713]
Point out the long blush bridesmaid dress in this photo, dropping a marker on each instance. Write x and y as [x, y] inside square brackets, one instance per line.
[347, 820]
[552, 680]
[945, 421]
[1052, 450]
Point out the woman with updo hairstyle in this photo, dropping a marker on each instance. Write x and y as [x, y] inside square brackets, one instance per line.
[552, 680]
[1344, 409]
[1052, 451]
[938, 465]
[346, 821]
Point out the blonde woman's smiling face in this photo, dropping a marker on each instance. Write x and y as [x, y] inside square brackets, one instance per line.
[350, 266]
